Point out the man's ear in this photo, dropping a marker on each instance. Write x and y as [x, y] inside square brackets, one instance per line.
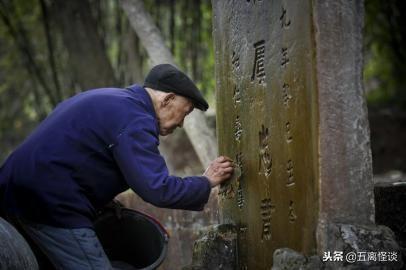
[168, 98]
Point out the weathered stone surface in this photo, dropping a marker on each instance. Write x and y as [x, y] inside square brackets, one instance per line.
[15, 253]
[267, 122]
[291, 112]
[345, 167]
[216, 249]
[288, 259]
[348, 238]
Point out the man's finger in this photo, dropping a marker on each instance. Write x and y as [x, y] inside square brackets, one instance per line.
[228, 169]
[222, 159]
[226, 164]
[227, 175]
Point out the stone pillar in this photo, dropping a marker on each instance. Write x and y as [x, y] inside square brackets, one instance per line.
[291, 112]
[345, 163]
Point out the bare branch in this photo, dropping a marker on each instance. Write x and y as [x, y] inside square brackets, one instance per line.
[196, 127]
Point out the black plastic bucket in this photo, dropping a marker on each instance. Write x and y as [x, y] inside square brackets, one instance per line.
[132, 237]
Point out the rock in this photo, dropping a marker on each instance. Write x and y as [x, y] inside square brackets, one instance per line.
[357, 240]
[216, 249]
[286, 258]
[374, 247]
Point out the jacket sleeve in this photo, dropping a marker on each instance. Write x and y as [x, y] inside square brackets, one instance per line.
[144, 169]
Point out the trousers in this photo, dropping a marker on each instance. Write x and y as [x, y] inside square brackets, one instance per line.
[70, 249]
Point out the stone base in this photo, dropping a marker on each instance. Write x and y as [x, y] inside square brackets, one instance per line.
[341, 246]
[286, 258]
[216, 249]
[346, 246]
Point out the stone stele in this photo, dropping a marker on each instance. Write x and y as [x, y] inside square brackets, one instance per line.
[291, 113]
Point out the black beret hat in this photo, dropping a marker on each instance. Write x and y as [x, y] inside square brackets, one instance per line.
[168, 78]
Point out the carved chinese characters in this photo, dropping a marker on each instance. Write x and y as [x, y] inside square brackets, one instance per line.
[267, 209]
[264, 125]
[258, 71]
[265, 160]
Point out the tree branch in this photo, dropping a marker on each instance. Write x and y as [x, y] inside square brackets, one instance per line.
[196, 127]
[24, 46]
[50, 47]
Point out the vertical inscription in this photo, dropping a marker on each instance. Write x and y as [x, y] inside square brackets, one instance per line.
[235, 61]
[292, 215]
[236, 187]
[285, 22]
[288, 133]
[237, 129]
[258, 71]
[289, 169]
[284, 58]
[286, 94]
[236, 96]
[240, 194]
[267, 208]
[265, 160]
[239, 158]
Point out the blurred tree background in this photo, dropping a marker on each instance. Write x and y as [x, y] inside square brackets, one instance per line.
[385, 54]
[385, 83]
[53, 49]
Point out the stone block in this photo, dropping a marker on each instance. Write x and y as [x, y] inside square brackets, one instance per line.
[288, 259]
[216, 249]
[374, 247]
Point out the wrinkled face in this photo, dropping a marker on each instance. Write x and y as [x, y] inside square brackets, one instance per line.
[172, 112]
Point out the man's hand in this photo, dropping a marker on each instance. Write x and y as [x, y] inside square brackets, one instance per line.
[219, 170]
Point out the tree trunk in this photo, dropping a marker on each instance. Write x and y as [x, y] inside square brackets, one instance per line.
[50, 48]
[200, 135]
[87, 57]
[134, 59]
[25, 46]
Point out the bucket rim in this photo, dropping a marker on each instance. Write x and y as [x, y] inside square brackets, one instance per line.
[119, 211]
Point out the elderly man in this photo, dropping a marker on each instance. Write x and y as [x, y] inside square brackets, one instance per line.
[94, 146]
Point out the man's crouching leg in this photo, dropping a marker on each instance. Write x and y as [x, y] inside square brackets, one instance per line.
[68, 248]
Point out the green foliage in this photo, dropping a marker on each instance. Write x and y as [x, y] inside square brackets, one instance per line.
[192, 39]
[384, 42]
[32, 82]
